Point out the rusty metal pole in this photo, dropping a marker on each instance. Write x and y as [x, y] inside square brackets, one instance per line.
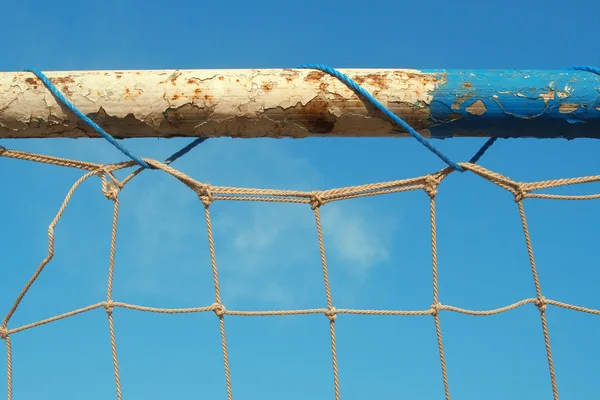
[300, 103]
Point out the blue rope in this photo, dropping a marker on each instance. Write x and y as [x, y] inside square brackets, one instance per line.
[482, 150]
[586, 68]
[85, 119]
[397, 120]
[185, 150]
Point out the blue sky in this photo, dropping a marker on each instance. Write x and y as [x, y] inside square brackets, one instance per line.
[378, 248]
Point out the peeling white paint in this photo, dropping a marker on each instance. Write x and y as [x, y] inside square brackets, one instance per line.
[566, 108]
[568, 89]
[477, 108]
[547, 96]
[210, 102]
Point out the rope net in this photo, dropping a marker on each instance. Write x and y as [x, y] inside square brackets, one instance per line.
[208, 194]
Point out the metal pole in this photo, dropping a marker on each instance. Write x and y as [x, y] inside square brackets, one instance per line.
[300, 103]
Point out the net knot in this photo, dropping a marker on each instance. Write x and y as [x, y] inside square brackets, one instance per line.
[519, 193]
[219, 309]
[315, 201]
[111, 188]
[3, 333]
[540, 303]
[205, 195]
[431, 184]
[331, 313]
[435, 309]
[109, 305]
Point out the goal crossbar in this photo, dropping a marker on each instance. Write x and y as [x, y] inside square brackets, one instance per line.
[299, 103]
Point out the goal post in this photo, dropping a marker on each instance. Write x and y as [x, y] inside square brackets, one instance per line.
[298, 103]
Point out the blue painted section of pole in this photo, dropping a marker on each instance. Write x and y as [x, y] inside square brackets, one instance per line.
[507, 103]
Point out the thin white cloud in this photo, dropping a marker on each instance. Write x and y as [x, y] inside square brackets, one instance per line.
[161, 217]
[358, 236]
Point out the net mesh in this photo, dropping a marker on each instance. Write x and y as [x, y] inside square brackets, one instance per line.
[208, 194]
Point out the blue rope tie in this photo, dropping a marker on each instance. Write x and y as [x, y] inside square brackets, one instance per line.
[101, 131]
[185, 150]
[482, 150]
[84, 117]
[397, 120]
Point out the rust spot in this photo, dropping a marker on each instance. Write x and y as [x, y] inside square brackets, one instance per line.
[358, 79]
[66, 90]
[119, 72]
[32, 81]
[267, 86]
[221, 78]
[197, 93]
[137, 73]
[130, 94]
[237, 80]
[119, 76]
[174, 77]
[175, 97]
[62, 80]
[314, 76]
[377, 80]
[314, 116]
[207, 97]
[467, 84]
[191, 81]
[289, 75]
